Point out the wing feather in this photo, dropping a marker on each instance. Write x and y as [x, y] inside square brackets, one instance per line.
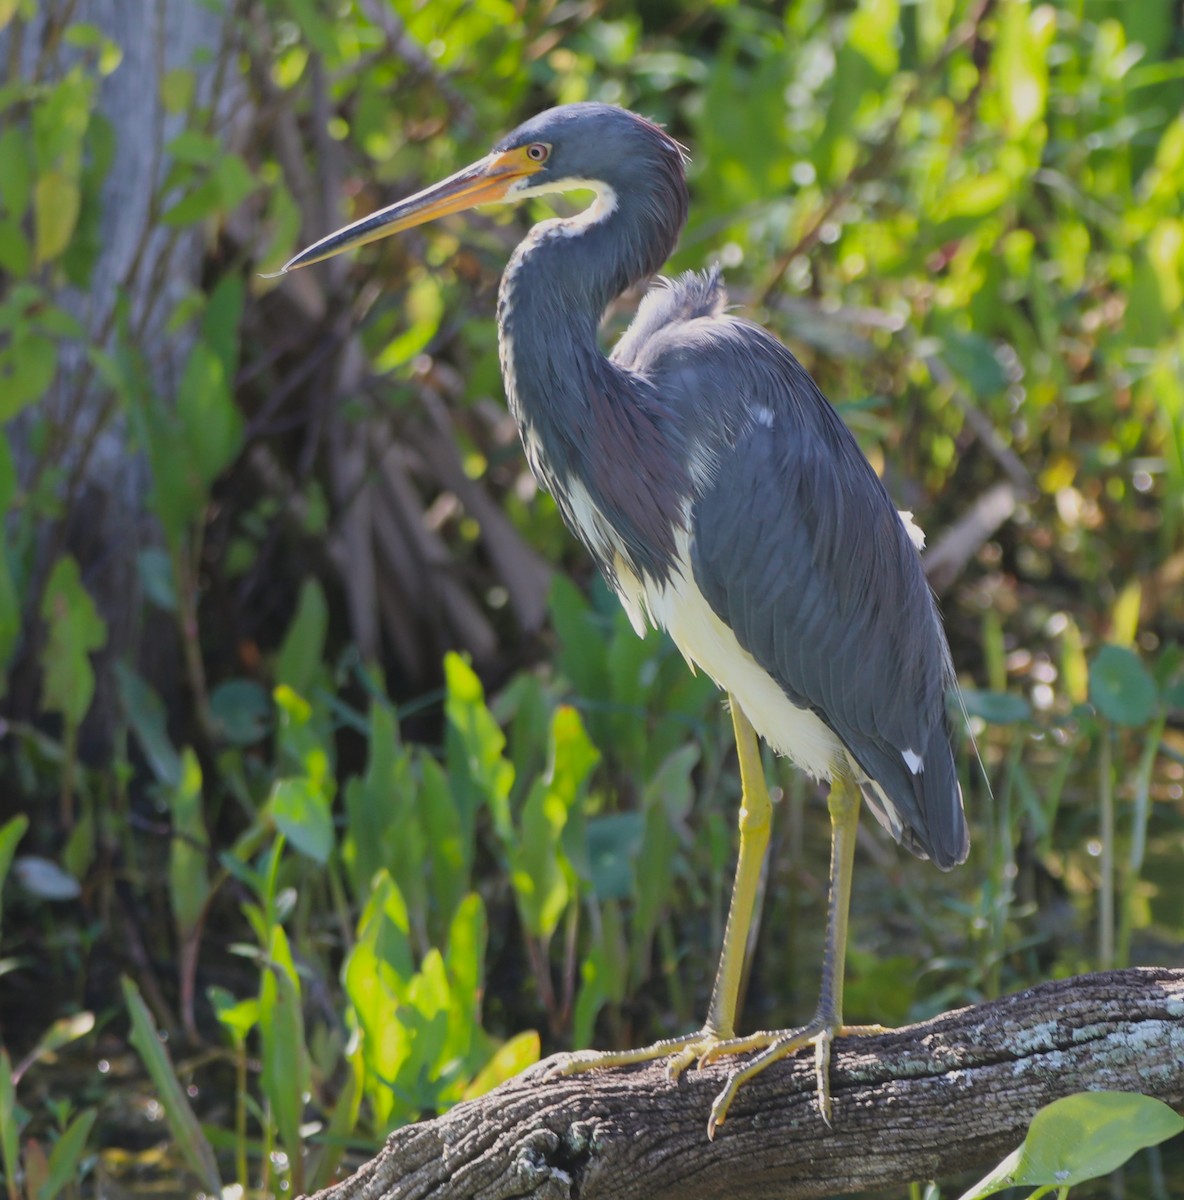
[797, 546]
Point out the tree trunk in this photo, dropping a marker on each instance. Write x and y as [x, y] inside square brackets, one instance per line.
[923, 1102]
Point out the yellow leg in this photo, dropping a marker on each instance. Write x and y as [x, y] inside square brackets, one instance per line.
[843, 804]
[756, 813]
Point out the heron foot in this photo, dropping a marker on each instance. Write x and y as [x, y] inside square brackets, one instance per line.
[679, 1053]
[777, 1044]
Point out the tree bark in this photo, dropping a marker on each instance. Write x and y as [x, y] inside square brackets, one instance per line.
[923, 1102]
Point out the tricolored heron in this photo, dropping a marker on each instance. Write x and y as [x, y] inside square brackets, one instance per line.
[726, 502]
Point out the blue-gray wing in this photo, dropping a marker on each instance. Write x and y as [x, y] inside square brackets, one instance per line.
[797, 546]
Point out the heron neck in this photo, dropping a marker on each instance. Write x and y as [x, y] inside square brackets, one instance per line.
[556, 288]
[588, 425]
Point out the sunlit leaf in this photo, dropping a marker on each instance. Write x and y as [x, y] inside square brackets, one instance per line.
[510, 1059]
[1081, 1137]
[301, 813]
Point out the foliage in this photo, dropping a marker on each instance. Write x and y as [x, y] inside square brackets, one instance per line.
[347, 883]
[1078, 1138]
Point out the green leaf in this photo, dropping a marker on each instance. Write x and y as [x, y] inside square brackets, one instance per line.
[475, 743]
[242, 710]
[11, 833]
[237, 1017]
[156, 577]
[16, 172]
[10, 1125]
[177, 88]
[286, 1068]
[189, 884]
[510, 1059]
[996, 708]
[1081, 1137]
[298, 663]
[203, 201]
[184, 1124]
[300, 811]
[75, 631]
[211, 423]
[27, 368]
[1121, 687]
[146, 715]
[57, 201]
[66, 1155]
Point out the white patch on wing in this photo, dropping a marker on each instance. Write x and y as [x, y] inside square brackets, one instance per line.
[915, 532]
[913, 761]
[677, 605]
[764, 416]
[589, 521]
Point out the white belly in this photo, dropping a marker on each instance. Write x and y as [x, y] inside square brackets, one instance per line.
[678, 606]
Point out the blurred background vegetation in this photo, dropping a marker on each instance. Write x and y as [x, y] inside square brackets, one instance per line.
[333, 786]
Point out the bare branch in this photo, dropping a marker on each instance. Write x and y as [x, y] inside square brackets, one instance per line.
[922, 1102]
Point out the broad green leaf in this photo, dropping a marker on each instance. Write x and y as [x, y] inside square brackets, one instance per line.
[996, 708]
[1121, 688]
[666, 801]
[221, 322]
[182, 1121]
[539, 869]
[300, 811]
[27, 368]
[298, 663]
[57, 201]
[242, 711]
[464, 962]
[1081, 1137]
[192, 146]
[75, 631]
[1021, 64]
[450, 845]
[614, 841]
[604, 974]
[176, 89]
[155, 569]
[16, 172]
[146, 715]
[510, 1059]
[211, 423]
[376, 975]
[237, 1017]
[478, 770]
[189, 884]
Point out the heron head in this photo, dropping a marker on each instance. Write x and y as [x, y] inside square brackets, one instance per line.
[574, 146]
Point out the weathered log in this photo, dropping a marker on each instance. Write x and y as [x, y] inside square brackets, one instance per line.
[923, 1102]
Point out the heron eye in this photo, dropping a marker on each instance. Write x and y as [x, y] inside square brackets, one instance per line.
[538, 152]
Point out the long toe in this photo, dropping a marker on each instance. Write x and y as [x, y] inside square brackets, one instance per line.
[679, 1052]
[773, 1046]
